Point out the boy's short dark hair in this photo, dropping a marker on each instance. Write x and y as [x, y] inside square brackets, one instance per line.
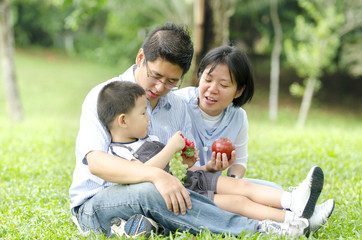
[118, 97]
[170, 42]
[238, 64]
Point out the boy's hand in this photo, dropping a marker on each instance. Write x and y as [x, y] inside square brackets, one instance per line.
[176, 141]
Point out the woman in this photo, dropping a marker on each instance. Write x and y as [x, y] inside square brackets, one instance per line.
[225, 84]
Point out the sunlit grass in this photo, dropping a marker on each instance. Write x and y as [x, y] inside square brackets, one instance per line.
[37, 156]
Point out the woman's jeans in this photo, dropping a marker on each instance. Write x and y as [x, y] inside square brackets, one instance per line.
[126, 200]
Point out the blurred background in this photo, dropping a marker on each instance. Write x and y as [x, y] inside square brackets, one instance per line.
[307, 61]
[306, 54]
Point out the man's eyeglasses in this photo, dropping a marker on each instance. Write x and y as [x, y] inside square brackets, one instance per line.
[168, 84]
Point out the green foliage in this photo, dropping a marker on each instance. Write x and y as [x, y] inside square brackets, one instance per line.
[81, 11]
[297, 90]
[351, 55]
[316, 38]
[37, 22]
[313, 48]
[111, 31]
[108, 31]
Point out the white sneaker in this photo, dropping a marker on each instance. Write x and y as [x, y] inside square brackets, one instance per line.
[295, 228]
[321, 215]
[136, 226]
[305, 196]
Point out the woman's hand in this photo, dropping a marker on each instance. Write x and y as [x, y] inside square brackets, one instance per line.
[219, 162]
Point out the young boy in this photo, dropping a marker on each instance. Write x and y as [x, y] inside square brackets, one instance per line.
[128, 123]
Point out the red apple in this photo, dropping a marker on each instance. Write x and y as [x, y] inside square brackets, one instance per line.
[223, 145]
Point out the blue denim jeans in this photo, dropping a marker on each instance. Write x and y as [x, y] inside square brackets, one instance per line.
[126, 200]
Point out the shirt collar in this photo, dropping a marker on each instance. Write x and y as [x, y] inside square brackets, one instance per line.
[128, 75]
[164, 102]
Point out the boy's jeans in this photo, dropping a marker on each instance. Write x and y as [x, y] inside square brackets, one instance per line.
[126, 200]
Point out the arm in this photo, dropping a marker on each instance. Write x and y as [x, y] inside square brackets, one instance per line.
[161, 159]
[241, 143]
[237, 163]
[92, 143]
[118, 170]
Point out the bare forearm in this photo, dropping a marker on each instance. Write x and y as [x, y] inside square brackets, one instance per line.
[118, 170]
[161, 159]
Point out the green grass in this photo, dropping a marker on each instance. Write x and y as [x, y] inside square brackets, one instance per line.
[37, 156]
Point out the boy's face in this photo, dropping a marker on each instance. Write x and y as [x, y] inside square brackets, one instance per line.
[138, 119]
[153, 77]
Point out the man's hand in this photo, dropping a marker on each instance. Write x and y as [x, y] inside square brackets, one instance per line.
[219, 162]
[176, 196]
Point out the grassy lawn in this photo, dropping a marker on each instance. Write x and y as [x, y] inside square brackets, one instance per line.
[37, 156]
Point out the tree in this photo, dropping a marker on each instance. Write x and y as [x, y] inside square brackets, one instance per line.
[111, 31]
[351, 34]
[8, 65]
[275, 61]
[211, 27]
[315, 45]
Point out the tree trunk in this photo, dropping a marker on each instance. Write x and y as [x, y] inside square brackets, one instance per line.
[222, 10]
[8, 66]
[275, 62]
[199, 31]
[211, 27]
[306, 101]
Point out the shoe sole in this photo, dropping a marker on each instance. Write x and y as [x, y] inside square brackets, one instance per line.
[315, 191]
[329, 215]
[307, 232]
[139, 225]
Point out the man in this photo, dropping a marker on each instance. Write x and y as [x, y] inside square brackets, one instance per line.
[108, 190]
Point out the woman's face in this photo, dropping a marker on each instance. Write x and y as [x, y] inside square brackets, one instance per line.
[216, 90]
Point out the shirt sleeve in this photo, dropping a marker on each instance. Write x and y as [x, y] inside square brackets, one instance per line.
[121, 152]
[187, 126]
[241, 144]
[92, 135]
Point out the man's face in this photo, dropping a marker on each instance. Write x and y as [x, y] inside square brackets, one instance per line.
[157, 78]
